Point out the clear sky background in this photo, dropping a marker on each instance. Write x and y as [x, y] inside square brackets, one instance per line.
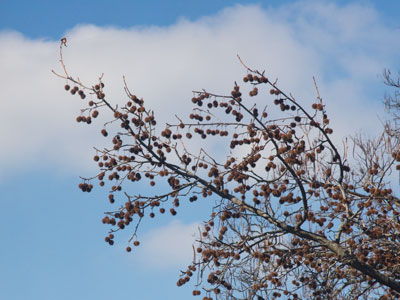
[51, 236]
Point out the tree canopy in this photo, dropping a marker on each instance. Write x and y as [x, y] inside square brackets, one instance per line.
[292, 215]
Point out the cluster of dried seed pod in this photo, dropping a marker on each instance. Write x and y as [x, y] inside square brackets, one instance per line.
[75, 90]
[86, 187]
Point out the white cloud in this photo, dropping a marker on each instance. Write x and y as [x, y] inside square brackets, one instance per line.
[168, 246]
[345, 47]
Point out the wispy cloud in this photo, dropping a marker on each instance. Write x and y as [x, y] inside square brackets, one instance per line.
[168, 246]
[345, 47]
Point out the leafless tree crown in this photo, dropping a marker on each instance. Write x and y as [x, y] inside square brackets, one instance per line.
[290, 218]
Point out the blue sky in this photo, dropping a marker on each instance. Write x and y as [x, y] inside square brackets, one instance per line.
[49, 19]
[52, 237]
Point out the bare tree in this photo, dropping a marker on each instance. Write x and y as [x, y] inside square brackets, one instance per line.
[289, 217]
